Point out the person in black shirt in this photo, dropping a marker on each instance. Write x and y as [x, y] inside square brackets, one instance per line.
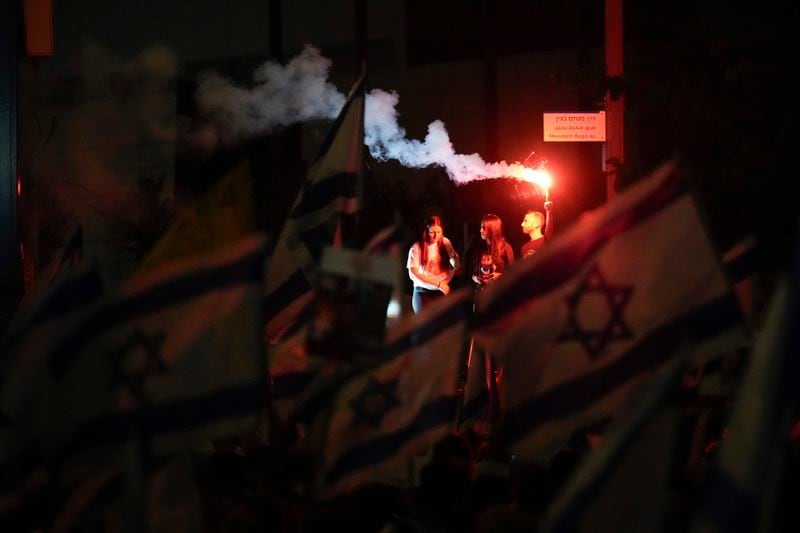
[532, 225]
[496, 247]
[491, 258]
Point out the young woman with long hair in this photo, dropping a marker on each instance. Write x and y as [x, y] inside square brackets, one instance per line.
[496, 247]
[489, 260]
[432, 263]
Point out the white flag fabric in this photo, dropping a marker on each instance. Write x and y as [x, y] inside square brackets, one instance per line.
[633, 463]
[743, 482]
[583, 323]
[386, 414]
[292, 369]
[330, 190]
[33, 333]
[175, 358]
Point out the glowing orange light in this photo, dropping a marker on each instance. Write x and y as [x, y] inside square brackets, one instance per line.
[538, 176]
[19, 187]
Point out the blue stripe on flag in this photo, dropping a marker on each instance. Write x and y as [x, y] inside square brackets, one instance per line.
[72, 294]
[67, 296]
[325, 191]
[317, 238]
[573, 396]
[290, 290]
[749, 465]
[435, 413]
[174, 291]
[116, 428]
[322, 398]
[473, 407]
[560, 267]
[665, 392]
[193, 412]
[182, 415]
[449, 317]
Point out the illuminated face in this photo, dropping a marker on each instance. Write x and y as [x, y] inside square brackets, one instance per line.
[484, 234]
[434, 234]
[486, 260]
[527, 223]
[530, 223]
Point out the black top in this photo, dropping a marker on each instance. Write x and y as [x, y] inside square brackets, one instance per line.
[498, 264]
[531, 247]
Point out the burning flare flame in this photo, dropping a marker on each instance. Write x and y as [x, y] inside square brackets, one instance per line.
[537, 176]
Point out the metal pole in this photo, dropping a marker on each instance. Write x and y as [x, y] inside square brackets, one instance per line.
[10, 272]
[614, 100]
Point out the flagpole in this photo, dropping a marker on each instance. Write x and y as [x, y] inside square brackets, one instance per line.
[468, 342]
[467, 346]
[275, 432]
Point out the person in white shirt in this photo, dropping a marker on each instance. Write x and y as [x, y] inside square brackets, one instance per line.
[432, 263]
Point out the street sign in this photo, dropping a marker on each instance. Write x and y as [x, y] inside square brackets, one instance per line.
[574, 127]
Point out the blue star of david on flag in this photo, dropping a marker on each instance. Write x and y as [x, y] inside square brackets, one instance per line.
[595, 340]
[152, 364]
[373, 402]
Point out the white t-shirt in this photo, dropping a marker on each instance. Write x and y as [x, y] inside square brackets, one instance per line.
[433, 267]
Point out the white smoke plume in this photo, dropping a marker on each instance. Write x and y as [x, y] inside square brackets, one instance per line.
[283, 95]
[300, 91]
[386, 140]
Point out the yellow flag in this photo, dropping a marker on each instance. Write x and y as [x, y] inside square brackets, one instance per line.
[222, 215]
